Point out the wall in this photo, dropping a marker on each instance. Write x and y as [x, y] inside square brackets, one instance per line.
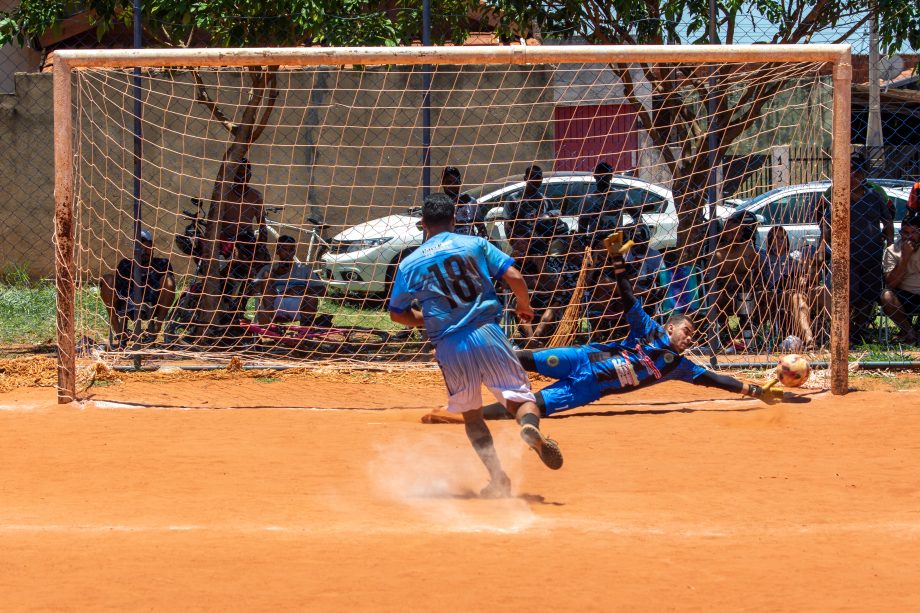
[342, 144]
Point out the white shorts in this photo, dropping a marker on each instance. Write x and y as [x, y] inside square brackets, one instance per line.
[481, 357]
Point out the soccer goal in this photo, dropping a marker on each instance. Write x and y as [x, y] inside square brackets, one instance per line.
[214, 204]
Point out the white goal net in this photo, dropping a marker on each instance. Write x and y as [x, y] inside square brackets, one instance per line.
[274, 202]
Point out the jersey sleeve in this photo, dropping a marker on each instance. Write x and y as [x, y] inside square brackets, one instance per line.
[688, 371]
[640, 324]
[400, 297]
[497, 260]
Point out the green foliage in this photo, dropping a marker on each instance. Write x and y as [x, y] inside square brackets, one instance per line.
[249, 23]
[687, 21]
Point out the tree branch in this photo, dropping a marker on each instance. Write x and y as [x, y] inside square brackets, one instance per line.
[272, 86]
[202, 97]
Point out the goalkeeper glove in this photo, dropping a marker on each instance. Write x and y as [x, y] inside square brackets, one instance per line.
[769, 395]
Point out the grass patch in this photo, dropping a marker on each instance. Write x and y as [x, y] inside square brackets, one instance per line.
[345, 315]
[28, 310]
[267, 379]
[877, 352]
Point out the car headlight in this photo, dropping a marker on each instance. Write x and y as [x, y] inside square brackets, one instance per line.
[367, 243]
[339, 247]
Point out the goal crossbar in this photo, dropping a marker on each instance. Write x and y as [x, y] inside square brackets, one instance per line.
[512, 54]
[67, 61]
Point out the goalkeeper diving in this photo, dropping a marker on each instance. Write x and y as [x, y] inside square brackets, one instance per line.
[650, 354]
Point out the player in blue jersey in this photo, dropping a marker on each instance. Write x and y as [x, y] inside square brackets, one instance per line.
[651, 353]
[452, 278]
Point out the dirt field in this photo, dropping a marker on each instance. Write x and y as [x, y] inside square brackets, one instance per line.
[327, 493]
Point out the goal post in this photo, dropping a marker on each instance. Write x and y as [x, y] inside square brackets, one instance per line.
[92, 110]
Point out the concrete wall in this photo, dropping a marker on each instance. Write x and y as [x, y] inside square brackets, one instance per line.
[27, 176]
[343, 144]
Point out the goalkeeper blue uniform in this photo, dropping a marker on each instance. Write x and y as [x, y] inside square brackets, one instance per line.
[452, 278]
[587, 373]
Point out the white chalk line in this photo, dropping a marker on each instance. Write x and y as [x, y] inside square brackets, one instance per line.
[542, 525]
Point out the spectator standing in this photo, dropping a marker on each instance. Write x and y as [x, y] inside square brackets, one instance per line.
[522, 214]
[738, 268]
[869, 213]
[603, 202]
[466, 213]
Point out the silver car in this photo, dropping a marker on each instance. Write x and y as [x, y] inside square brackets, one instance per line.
[797, 209]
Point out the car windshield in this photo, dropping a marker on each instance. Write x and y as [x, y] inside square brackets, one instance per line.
[757, 199]
[477, 192]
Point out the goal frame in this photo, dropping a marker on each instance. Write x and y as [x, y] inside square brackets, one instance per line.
[68, 61]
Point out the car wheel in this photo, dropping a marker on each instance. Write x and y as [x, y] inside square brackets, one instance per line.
[390, 276]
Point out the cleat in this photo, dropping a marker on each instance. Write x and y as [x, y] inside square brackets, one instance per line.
[546, 448]
[497, 488]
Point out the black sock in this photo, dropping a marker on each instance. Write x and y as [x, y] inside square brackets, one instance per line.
[530, 419]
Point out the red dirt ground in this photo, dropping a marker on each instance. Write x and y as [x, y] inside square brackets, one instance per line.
[240, 494]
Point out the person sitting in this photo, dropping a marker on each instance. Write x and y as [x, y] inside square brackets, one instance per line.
[466, 212]
[790, 279]
[737, 268]
[289, 290]
[140, 288]
[901, 265]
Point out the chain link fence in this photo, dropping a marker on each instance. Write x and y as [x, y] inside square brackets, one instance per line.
[885, 122]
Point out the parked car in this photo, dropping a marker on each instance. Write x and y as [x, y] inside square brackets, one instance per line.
[796, 208]
[362, 260]
[566, 192]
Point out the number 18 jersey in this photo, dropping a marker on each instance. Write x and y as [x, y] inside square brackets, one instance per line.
[452, 277]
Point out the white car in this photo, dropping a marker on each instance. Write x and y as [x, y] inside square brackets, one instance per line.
[362, 259]
[566, 192]
[796, 208]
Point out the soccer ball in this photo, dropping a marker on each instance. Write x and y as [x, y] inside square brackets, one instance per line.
[792, 370]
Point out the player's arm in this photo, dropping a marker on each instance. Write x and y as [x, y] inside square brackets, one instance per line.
[411, 317]
[401, 308]
[709, 378]
[515, 282]
[624, 285]
[501, 267]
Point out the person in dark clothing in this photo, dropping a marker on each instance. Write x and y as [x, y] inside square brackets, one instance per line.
[603, 202]
[521, 215]
[869, 214]
[466, 214]
[141, 288]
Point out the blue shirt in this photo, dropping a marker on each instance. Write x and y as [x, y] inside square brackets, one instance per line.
[645, 357]
[452, 277]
